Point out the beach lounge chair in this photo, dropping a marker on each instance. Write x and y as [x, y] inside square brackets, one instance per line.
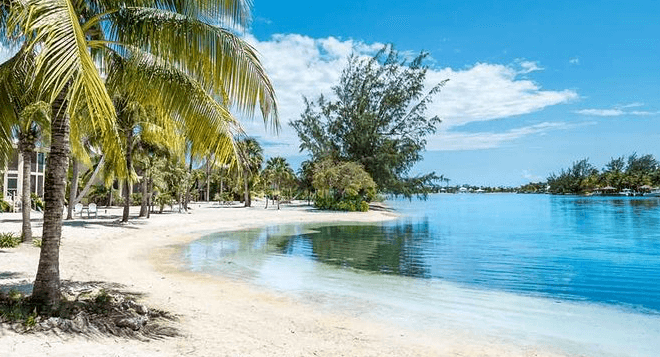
[78, 208]
[91, 209]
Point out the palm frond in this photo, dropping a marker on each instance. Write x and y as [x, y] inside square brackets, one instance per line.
[64, 62]
[207, 124]
[216, 57]
[235, 13]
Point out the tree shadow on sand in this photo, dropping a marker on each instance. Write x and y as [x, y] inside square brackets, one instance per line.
[91, 309]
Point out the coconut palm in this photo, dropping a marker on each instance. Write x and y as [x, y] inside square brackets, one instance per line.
[26, 117]
[250, 155]
[278, 173]
[156, 51]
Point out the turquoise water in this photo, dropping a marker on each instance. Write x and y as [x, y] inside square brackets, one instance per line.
[581, 274]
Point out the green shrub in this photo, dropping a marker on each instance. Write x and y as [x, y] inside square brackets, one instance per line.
[36, 242]
[9, 240]
[37, 203]
[5, 206]
[136, 199]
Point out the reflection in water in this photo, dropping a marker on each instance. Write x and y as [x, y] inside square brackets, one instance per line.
[545, 270]
[598, 249]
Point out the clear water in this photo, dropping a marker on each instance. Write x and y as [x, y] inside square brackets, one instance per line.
[578, 274]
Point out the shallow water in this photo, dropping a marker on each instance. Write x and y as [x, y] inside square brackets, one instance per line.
[573, 273]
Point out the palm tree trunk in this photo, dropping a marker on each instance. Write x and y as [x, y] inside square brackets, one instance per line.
[46, 291]
[129, 167]
[151, 196]
[247, 191]
[278, 196]
[26, 207]
[72, 188]
[110, 196]
[208, 180]
[145, 197]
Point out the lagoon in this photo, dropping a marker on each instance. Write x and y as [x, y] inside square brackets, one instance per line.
[577, 274]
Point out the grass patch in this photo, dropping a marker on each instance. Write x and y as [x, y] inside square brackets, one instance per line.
[9, 240]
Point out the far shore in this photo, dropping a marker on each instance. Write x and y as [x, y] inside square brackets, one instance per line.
[216, 316]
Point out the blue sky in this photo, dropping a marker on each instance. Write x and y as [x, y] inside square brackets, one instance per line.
[534, 85]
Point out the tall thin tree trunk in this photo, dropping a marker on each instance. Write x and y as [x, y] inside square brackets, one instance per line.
[129, 167]
[110, 195]
[247, 191]
[46, 291]
[72, 188]
[151, 196]
[208, 179]
[266, 196]
[144, 208]
[26, 206]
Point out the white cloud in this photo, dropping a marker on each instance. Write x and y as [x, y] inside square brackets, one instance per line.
[529, 66]
[303, 66]
[452, 140]
[574, 60]
[617, 111]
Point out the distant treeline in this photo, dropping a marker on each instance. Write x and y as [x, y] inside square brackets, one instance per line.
[639, 173]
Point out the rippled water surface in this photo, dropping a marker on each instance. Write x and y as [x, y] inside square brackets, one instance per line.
[562, 265]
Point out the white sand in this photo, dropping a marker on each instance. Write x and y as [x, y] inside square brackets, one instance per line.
[217, 317]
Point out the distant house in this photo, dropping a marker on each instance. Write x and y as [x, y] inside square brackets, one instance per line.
[12, 181]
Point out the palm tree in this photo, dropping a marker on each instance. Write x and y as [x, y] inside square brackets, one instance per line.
[250, 155]
[26, 117]
[278, 173]
[157, 50]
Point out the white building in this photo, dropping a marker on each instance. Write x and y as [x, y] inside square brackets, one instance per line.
[12, 184]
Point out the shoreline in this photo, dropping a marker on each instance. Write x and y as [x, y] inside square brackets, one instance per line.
[217, 316]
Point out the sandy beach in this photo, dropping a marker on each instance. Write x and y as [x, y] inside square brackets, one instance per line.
[216, 316]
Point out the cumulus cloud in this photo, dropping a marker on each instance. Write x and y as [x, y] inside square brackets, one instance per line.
[617, 111]
[303, 66]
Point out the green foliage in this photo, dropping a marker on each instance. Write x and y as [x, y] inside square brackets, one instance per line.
[279, 174]
[14, 307]
[5, 206]
[619, 173]
[36, 242]
[37, 202]
[378, 120]
[9, 240]
[342, 186]
[136, 199]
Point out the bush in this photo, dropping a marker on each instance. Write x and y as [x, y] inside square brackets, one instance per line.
[9, 240]
[136, 199]
[37, 203]
[36, 242]
[5, 206]
[350, 203]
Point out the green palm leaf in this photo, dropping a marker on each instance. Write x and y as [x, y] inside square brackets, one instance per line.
[209, 126]
[64, 62]
[216, 57]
